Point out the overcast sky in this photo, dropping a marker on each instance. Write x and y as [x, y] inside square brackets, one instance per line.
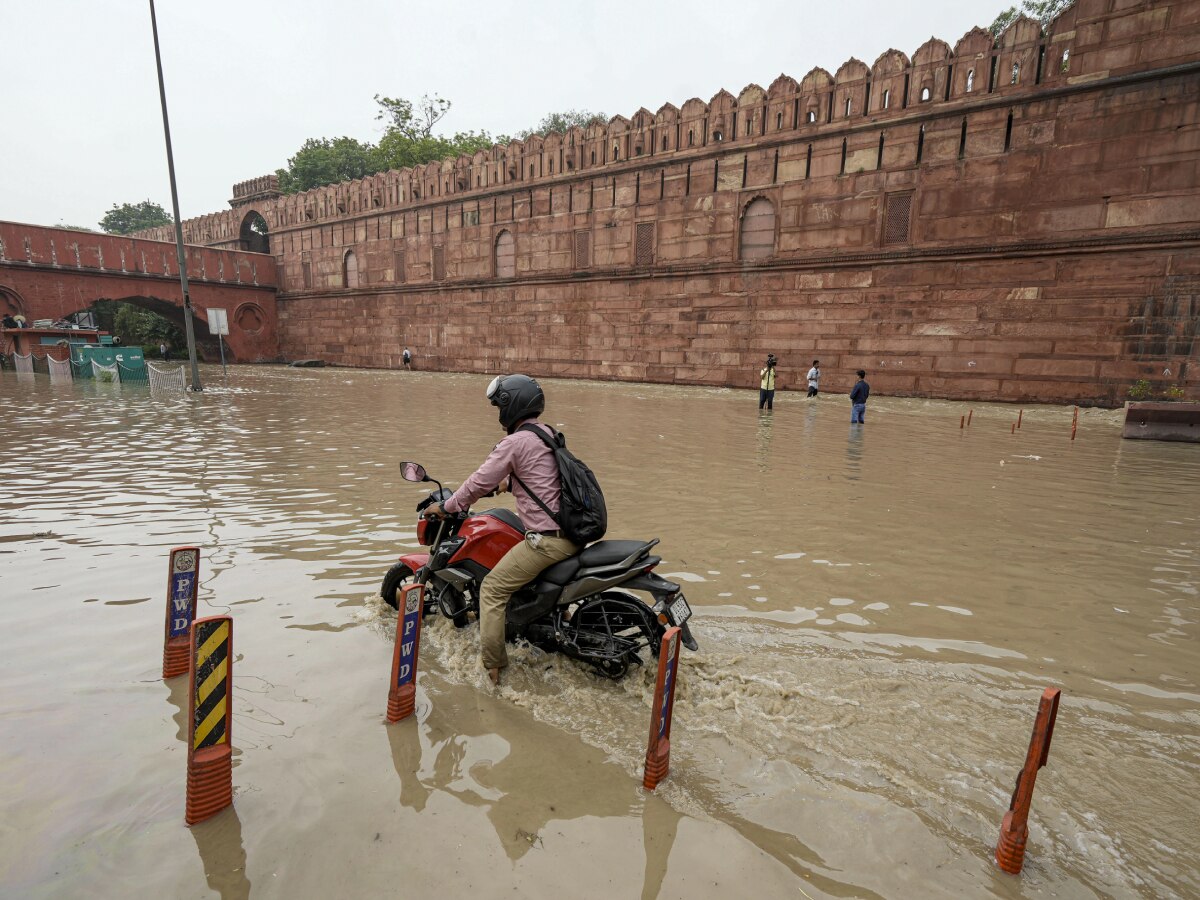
[248, 82]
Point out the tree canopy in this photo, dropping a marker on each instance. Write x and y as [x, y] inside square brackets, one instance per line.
[561, 121]
[1045, 11]
[327, 161]
[140, 327]
[126, 218]
[408, 140]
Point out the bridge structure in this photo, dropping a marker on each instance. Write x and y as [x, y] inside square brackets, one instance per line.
[52, 273]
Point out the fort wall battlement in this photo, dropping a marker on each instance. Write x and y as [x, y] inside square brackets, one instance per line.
[1013, 219]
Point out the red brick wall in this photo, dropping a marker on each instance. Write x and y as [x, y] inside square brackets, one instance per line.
[1035, 240]
[50, 273]
[942, 329]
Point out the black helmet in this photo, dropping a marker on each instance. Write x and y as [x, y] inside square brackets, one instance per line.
[518, 397]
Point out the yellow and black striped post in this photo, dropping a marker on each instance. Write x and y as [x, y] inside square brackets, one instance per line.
[210, 693]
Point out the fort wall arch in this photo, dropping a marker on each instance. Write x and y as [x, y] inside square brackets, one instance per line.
[254, 234]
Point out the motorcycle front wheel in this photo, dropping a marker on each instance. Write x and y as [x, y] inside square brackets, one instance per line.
[397, 577]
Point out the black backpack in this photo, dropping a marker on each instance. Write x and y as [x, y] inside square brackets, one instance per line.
[582, 515]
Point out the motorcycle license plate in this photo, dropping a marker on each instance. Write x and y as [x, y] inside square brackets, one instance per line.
[679, 611]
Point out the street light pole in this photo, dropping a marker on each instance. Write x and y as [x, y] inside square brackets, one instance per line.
[179, 254]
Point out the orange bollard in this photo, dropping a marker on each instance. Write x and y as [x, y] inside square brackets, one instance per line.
[183, 583]
[1020, 416]
[1014, 830]
[962, 420]
[658, 751]
[970, 412]
[402, 697]
[210, 719]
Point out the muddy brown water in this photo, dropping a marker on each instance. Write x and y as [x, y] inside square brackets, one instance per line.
[878, 611]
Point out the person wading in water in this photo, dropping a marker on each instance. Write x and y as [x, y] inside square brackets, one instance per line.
[766, 383]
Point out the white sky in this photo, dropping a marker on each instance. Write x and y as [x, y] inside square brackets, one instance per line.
[249, 81]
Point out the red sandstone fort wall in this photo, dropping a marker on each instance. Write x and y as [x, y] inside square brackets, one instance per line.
[1016, 219]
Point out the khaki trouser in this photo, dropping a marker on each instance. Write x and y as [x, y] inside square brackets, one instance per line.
[517, 568]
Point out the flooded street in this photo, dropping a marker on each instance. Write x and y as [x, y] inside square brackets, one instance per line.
[878, 610]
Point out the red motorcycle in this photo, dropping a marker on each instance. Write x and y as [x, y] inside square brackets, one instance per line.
[580, 606]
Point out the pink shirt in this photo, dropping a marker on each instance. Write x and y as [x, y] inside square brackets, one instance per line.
[529, 457]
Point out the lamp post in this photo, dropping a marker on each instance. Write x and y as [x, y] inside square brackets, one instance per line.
[182, 259]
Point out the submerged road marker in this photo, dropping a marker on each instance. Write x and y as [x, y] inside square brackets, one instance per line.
[210, 719]
[183, 583]
[402, 696]
[658, 750]
[1020, 416]
[970, 412]
[1014, 830]
[962, 421]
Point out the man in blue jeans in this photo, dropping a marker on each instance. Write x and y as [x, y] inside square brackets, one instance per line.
[858, 398]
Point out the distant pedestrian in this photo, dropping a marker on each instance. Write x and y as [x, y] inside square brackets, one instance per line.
[858, 398]
[814, 378]
[766, 384]
[162, 350]
[407, 359]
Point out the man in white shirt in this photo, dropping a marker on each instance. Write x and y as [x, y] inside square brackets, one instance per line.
[814, 378]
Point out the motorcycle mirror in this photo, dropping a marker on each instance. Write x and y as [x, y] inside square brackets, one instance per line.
[411, 471]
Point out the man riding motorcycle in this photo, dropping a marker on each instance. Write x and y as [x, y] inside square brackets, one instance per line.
[523, 454]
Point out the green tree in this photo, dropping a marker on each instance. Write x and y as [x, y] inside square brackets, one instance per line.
[561, 121]
[74, 227]
[127, 218]
[1045, 11]
[408, 140]
[140, 327]
[328, 161]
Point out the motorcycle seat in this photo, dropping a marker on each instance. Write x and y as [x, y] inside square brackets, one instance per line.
[561, 572]
[606, 553]
[601, 553]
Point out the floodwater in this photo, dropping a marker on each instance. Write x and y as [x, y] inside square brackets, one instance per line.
[878, 611]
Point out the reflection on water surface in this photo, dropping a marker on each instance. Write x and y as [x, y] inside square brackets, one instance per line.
[878, 609]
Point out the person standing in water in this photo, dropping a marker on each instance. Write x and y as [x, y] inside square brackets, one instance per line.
[858, 398]
[407, 357]
[766, 383]
[814, 378]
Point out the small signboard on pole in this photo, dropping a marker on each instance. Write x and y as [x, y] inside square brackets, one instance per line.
[658, 751]
[218, 324]
[183, 583]
[402, 696]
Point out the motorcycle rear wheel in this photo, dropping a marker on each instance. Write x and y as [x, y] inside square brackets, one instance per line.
[610, 630]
